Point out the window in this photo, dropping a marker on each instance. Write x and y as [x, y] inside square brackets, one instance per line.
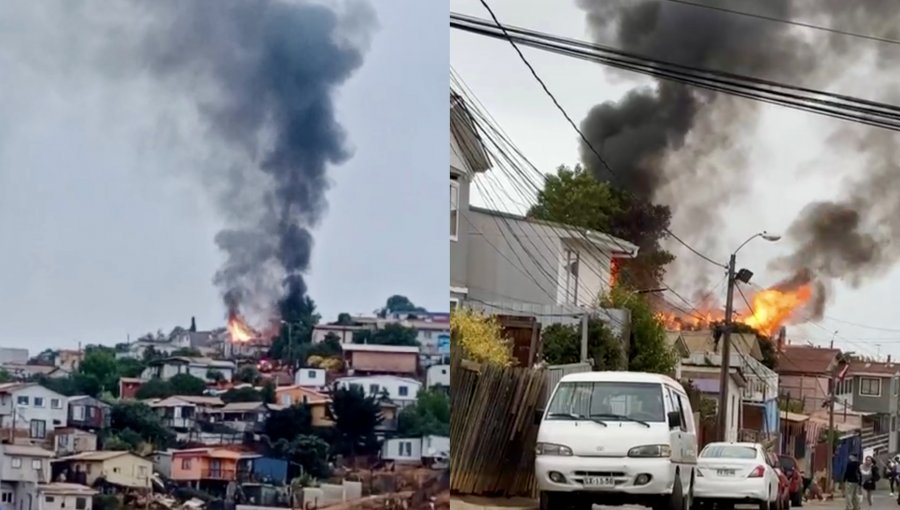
[680, 408]
[454, 303]
[311, 374]
[870, 386]
[722, 451]
[16, 462]
[6, 497]
[606, 400]
[55, 403]
[22, 400]
[38, 429]
[38, 402]
[185, 463]
[36, 464]
[142, 471]
[116, 470]
[893, 423]
[406, 449]
[49, 499]
[80, 503]
[373, 389]
[896, 386]
[403, 391]
[844, 387]
[570, 285]
[454, 209]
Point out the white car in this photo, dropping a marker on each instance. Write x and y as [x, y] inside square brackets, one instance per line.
[616, 438]
[735, 473]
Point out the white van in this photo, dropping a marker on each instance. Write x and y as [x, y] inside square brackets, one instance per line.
[617, 438]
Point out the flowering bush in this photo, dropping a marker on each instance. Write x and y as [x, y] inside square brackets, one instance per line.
[480, 337]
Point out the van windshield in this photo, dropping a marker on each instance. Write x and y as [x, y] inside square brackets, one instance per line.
[608, 401]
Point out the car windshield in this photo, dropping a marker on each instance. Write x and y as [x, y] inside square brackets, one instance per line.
[728, 451]
[787, 463]
[608, 401]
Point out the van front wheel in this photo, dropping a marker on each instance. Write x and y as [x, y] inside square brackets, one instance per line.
[675, 501]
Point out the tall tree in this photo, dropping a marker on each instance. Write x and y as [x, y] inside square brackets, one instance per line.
[355, 417]
[561, 344]
[430, 415]
[345, 319]
[140, 418]
[390, 334]
[300, 317]
[288, 423]
[398, 303]
[574, 197]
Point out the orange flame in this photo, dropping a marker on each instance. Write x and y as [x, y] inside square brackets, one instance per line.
[239, 331]
[770, 309]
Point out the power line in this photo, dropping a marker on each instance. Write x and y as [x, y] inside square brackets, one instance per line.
[568, 118]
[785, 21]
[838, 106]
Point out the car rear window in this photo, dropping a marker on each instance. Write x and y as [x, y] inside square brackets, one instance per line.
[727, 451]
[787, 463]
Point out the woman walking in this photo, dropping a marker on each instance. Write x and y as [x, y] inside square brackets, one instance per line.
[869, 472]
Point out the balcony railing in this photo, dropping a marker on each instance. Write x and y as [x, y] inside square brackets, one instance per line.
[217, 474]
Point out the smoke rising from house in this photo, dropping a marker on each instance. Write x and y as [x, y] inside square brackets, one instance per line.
[669, 142]
[276, 66]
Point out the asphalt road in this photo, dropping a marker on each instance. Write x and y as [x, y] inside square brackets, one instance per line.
[881, 500]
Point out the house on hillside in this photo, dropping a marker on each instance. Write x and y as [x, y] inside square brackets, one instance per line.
[310, 377]
[117, 468]
[437, 376]
[63, 496]
[89, 413]
[202, 467]
[22, 470]
[399, 390]
[200, 368]
[415, 450]
[242, 416]
[71, 440]
[318, 402]
[32, 410]
[26, 371]
[873, 388]
[188, 416]
[361, 359]
[343, 332]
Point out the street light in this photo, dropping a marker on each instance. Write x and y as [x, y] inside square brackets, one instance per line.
[744, 275]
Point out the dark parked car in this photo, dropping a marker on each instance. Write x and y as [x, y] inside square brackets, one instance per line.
[792, 471]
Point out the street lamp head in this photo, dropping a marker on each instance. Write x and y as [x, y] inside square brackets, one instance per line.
[769, 237]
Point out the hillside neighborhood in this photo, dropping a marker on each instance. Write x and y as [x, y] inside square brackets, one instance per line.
[358, 410]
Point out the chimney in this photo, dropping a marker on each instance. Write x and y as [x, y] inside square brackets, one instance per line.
[782, 332]
[889, 359]
[193, 324]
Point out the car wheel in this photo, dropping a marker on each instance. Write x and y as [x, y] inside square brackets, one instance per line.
[797, 499]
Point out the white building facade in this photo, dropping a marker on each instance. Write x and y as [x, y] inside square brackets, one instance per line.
[400, 390]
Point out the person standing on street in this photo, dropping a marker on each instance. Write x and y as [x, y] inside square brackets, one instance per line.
[869, 476]
[891, 473]
[852, 479]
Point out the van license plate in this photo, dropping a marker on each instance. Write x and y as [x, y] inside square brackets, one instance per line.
[599, 482]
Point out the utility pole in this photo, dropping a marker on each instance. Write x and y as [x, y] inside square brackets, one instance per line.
[726, 352]
[585, 320]
[831, 437]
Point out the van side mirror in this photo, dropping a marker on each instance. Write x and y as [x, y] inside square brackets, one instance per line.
[538, 416]
[674, 419]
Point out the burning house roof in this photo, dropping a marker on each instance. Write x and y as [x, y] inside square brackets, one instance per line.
[807, 360]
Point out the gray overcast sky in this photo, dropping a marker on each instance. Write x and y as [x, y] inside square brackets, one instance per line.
[789, 163]
[106, 232]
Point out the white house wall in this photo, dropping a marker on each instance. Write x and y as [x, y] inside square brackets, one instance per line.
[438, 375]
[391, 384]
[53, 409]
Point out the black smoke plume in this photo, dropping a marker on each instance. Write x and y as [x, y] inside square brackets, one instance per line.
[667, 142]
[276, 66]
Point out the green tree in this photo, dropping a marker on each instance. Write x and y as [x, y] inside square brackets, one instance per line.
[308, 451]
[244, 394]
[649, 351]
[430, 415]
[390, 334]
[154, 388]
[345, 319]
[561, 344]
[574, 197]
[247, 374]
[288, 423]
[268, 392]
[300, 317]
[5, 376]
[329, 347]
[215, 376]
[129, 367]
[100, 363]
[355, 416]
[186, 384]
[129, 415]
[398, 303]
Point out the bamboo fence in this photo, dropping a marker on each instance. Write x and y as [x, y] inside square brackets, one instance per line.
[492, 428]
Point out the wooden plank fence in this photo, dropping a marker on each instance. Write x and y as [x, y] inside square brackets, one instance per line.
[492, 428]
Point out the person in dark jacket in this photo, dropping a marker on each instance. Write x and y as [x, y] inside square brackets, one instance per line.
[852, 480]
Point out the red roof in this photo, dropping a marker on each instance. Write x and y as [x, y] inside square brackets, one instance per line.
[807, 359]
[863, 367]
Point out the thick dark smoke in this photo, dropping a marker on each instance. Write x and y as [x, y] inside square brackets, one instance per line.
[668, 142]
[275, 66]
